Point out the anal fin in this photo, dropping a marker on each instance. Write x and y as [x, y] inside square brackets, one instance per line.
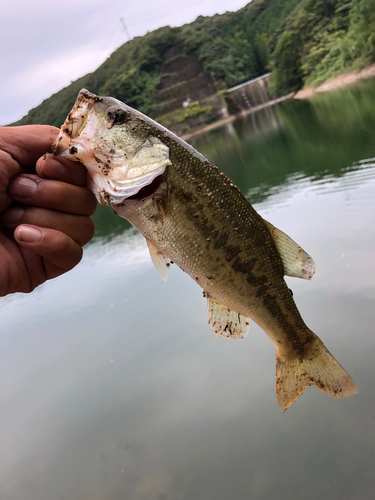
[161, 263]
[224, 322]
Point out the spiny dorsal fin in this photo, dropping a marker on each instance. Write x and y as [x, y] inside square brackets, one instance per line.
[224, 322]
[162, 264]
[297, 262]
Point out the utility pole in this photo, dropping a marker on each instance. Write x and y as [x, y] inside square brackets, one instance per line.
[125, 28]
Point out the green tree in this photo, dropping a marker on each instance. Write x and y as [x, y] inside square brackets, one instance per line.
[361, 34]
[287, 70]
[261, 51]
[136, 88]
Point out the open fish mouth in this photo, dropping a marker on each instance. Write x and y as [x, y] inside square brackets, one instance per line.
[105, 135]
[112, 192]
[147, 190]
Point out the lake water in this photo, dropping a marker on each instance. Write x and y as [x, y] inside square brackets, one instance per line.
[113, 386]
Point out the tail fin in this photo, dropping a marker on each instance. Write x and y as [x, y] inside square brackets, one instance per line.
[319, 368]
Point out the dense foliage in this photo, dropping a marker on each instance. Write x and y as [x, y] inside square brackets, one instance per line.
[300, 41]
[320, 39]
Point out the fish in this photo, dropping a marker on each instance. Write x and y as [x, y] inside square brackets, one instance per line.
[192, 214]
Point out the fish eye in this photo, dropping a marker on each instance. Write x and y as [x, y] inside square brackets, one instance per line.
[117, 116]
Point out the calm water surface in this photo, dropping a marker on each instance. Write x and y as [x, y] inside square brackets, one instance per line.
[113, 386]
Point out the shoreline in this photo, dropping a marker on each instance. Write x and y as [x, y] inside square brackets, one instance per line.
[337, 82]
[231, 118]
[334, 83]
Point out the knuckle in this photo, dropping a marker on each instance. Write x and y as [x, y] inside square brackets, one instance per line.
[70, 252]
[77, 256]
[91, 203]
[75, 172]
[88, 229]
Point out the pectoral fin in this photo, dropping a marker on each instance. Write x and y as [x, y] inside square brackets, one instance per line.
[296, 261]
[161, 263]
[224, 322]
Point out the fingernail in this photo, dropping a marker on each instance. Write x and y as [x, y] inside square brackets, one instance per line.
[12, 215]
[52, 169]
[29, 234]
[23, 187]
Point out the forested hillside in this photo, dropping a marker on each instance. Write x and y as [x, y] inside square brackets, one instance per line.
[300, 41]
[320, 39]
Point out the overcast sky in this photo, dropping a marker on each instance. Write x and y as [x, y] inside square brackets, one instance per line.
[46, 44]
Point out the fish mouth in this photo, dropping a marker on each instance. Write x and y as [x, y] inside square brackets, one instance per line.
[80, 118]
[146, 191]
[77, 118]
[112, 192]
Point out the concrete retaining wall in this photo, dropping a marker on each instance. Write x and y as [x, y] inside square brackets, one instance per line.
[249, 94]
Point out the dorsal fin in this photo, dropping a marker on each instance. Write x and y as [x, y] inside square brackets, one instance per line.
[296, 261]
[161, 263]
[224, 322]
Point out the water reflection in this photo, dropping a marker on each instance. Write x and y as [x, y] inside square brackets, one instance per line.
[114, 387]
[314, 139]
[326, 183]
[108, 224]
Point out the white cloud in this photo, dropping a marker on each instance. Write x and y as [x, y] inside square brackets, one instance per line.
[58, 71]
[15, 7]
[29, 87]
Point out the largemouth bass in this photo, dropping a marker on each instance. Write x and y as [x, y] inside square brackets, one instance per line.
[190, 213]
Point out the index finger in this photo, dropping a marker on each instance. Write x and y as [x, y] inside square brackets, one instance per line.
[61, 169]
[27, 143]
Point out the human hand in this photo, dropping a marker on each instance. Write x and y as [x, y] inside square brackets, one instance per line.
[44, 218]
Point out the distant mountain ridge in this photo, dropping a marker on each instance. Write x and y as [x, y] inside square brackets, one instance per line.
[300, 41]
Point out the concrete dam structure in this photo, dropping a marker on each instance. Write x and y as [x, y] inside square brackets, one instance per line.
[249, 95]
